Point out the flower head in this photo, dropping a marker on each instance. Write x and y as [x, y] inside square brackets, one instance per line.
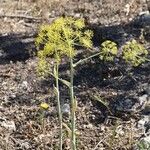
[60, 37]
[134, 53]
[44, 106]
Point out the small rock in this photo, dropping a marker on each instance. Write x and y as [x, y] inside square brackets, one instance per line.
[148, 90]
[10, 125]
[119, 131]
[143, 124]
[125, 105]
[89, 126]
[66, 109]
[12, 96]
[144, 13]
[1, 53]
[24, 84]
[77, 15]
[143, 98]
[25, 145]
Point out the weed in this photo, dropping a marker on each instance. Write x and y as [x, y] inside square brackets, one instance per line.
[143, 145]
[59, 40]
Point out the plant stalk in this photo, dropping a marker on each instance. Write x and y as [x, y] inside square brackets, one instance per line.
[85, 59]
[59, 105]
[73, 105]
[73, 101]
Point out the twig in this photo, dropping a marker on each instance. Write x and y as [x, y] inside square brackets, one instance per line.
[99, 143]
[20, 16]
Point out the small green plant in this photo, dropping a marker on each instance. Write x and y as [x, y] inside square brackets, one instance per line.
[134, 53]
[59, 40]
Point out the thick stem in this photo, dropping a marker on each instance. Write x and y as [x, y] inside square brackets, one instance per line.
[59, 105]
[73, 101]
[73, 105]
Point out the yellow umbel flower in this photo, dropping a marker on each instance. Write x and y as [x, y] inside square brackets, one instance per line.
[108, 50]
[44, 106]
[60, 38]
[134, 53]
[62, 35]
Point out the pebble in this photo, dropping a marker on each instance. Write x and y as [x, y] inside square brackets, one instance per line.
[66, 109]
[10, 125]
[143, 122]
[143, 99]
[24, 85]
[125, 105]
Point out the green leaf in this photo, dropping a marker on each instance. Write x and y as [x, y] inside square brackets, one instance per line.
[99, 99]
[67, 83]
[55, 90]
[55, 72]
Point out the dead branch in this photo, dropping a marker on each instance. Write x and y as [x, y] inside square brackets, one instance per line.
[20, 16]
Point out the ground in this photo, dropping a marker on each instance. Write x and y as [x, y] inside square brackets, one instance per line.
[113, 98]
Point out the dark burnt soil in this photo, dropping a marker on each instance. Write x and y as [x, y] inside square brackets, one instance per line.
[110, 95]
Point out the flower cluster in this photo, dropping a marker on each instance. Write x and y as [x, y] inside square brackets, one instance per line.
[108, 50]
[60, 37]
[134, 53]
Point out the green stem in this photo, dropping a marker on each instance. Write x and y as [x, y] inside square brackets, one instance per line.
[59, 105]
[146, 59]
[43, 121]
[85, 59]
[73, 101]
[73, 105]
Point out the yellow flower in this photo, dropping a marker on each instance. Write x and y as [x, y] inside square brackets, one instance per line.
[109, 50]
[134, 53]
[44, 106]
[60, 37]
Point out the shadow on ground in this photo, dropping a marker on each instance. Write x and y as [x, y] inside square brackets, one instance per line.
[19, 47]
[16, 47]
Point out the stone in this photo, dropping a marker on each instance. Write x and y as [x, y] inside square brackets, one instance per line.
[66, 109]
[9, 125]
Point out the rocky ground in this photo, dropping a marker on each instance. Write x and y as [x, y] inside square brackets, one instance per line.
[119, 121]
